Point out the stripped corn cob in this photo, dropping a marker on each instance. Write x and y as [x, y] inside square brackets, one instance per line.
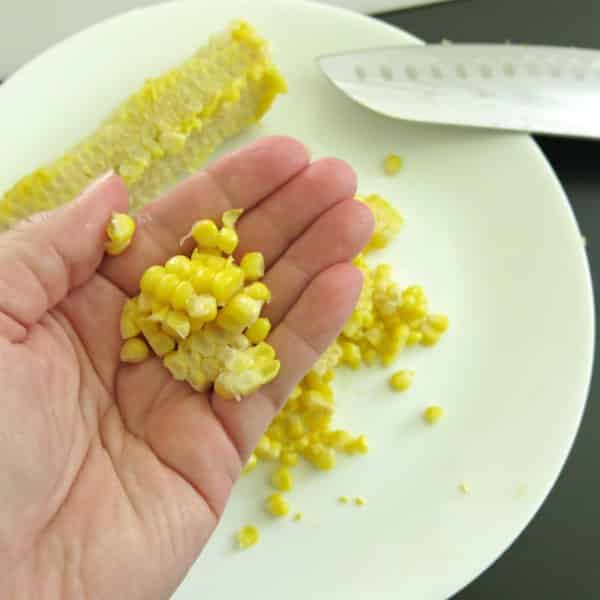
[163, 131]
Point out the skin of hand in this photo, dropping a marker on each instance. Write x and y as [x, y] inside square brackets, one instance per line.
[112, 476]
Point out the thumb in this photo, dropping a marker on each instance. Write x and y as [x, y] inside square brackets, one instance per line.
[42, 259]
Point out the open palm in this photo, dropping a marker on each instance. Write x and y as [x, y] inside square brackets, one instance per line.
[112, 477]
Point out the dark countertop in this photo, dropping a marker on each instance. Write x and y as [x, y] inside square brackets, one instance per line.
[555, 558]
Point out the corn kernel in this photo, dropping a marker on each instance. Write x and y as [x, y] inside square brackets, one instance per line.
[205, 233]
[182, 295]
[253, 265]
[129, 320]
[151, 278]
[177, 324]
[227, 240]
[343, 499]
[144, 304]
[351, 354]
[258, 291]
[438, 322]
[338, 439]
[247, 537]
[166, 288]
[120, 232]
[359, 445]
[134, 350]
[202, 307]
[401, 380]
[432, 414]
[392, 164]
[277, 505]
[321, 457]
[289, 458]
[360, 501]
[181, 266]
[177, 364]
[227, 283]
[202, 279]
[282, 480]
[250, 464]
[298, 517]
[231, 217]
[464, 487]
[294, 427]
[259, 330]
[160, 342]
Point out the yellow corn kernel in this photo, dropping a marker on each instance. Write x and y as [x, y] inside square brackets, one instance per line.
[289, 458]
[198, 380]
[432, 414]
[320, 456]
[228, 240]
[439, 322]
[120, 232]
[205, 233]
[177, 364]
[166, 288]
[259, 330]
[134, 350]
[282, 480]
[151, 278]
[179, 265]
[253, 265]
[359, 445]
[264, 449]
[429, 336]
[276, 432]
[258, 291]
[129, 324]
[298, 517]
[183, 293]
[231, 217]
[277, 505]
[227, 283]
[360, 501]
[338, 439]
[401, 380]
[414, 337]
[351, 354]
[177, 324]
[240, 312]
[392, 164]
[387, 221]
[202, 279]
[144, 304]
[250, 464]
[247, 537]
[160, 342]
[464, 488]
[294, 427]
[158, 313]
[343, 499]
[201, 308]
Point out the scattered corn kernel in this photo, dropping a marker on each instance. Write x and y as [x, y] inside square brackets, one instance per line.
[181, 266]
[343, 499]
[120, 232]
[360, 501]
[464, 487]
[282, 480]
[277, 505]
[134, 351]
[432, 414]
[228, 240]
[205, 233]
[259, 330]
[250, 464]
[298, 517]
[130, 320]
[401, 380]
[247, 537]
[392, 164]
[258, 291]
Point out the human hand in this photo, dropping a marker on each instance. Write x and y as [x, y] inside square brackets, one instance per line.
[112, 476]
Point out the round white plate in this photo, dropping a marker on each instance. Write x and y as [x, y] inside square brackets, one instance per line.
[489, 233]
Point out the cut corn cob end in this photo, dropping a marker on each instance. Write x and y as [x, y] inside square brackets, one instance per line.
[201, 318]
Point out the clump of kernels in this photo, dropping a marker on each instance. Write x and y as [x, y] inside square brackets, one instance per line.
[120, 232]
[201, 315]
[247, 537]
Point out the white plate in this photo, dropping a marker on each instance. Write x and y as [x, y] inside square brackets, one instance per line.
[490, 234]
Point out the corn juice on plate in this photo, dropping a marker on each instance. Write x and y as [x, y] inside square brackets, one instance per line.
[510, 394]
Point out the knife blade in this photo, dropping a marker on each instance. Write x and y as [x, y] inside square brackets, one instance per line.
[537, 89]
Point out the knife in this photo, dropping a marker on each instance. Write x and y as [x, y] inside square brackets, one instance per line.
[537, 89]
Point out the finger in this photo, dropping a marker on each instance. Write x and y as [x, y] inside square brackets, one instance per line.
[44, 258]
[239, 180]
[304, 334]
[273, 225]
[337, 236]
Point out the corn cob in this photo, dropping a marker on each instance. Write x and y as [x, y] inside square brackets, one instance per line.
[165, 130]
